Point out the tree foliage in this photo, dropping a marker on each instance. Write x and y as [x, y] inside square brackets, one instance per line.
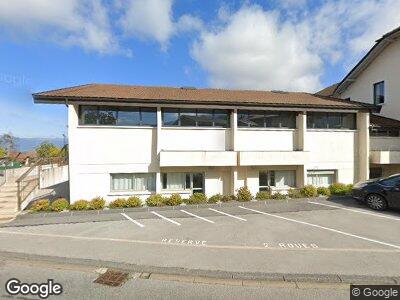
[47, 150]
[3, 152]
[7, 141]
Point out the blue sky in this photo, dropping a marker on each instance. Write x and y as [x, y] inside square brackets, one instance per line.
[291, 45]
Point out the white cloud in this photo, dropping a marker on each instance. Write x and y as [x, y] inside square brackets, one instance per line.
[83, 23]
[258, 49]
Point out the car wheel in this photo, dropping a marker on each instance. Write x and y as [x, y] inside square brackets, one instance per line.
[376, 202]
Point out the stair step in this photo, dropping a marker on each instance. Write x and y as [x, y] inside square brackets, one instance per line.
[7, 194]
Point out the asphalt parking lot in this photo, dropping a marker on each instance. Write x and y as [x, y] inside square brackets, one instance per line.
[291, 237]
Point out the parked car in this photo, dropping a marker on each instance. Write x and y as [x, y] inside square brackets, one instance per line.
[379, 193]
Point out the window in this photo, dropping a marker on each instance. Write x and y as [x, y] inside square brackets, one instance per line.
[195, 117]
[137, 182]
[117, 116]
[379, 93]
[391, 181]
[385, 131]
[266, 119]
[183, 181]
[327, 120]
[279, 179]
[323, 178]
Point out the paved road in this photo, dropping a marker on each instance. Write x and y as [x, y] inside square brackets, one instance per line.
[78, 284]
[294, 237]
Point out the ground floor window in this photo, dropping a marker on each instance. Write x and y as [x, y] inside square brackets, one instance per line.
[279, 179]
[375, 172]
[323, 178]
[183, 181]
[133, 182]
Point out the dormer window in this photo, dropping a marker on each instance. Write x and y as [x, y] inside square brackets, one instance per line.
[379, 93]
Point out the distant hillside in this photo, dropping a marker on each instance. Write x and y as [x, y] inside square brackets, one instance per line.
[27, 144]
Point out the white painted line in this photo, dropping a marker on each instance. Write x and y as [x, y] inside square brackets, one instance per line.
[323, 227]
[132, 220]
[165, 218]
[196, 216]
[223, 213]
[357, 211]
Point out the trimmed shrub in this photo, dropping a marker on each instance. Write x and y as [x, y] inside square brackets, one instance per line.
[59, 204]
[324, 191]
[155, 200]
[309, 191]
[97, 203]
[263, 195]
[196, 198]
[79, 205]
[215, 198]
[118, 203]
[244, 194]
[340, 188]
[293, 193]
[227, 198]
[133, 201]
[278, 196]
[41, 205]
[173, 200]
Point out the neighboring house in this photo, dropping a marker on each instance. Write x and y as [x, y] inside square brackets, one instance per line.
[375, 80]
[135, 140]
[24, 158]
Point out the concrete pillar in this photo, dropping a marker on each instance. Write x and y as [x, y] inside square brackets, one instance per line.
[234, 129]
[301, 176]
[234, 177]
[158, 149]
[73, 151]
[301, 125]
[363, 146]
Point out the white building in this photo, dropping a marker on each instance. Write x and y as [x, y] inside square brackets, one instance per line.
[134, 140]
[375, 80]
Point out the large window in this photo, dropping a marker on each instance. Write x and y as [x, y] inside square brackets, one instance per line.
[279, 179]
[385, 131]
[117, 116]
[323, 178]
[183, 181]
[379, 93]
[138, 182]
[195, 117]
[266, 119]
[327, 120]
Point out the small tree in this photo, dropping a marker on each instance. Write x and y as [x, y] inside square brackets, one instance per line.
[3, 152]
[47, 150]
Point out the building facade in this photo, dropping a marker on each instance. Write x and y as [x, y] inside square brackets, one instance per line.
[129, 140]
[375, 80]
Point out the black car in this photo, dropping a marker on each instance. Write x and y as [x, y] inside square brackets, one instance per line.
[379, 193]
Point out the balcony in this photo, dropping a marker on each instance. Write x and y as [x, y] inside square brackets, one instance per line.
[273, 158]
[198, 158]
[385, 150]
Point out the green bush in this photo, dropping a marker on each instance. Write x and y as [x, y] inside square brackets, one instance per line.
[41, 205]
[324, 191]
[133, 201]
[79, 205]
[215, 198]
[294, 193]
[97, 203]
[59, 204]
[278, 196]
[196, 198]
[263, 195]
[118, 203]
[340, 188]
[244, 194]
[227, 198]
[155, 200]
[173, 200]
[309, 191]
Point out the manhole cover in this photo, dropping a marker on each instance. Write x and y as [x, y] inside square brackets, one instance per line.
[112, 278]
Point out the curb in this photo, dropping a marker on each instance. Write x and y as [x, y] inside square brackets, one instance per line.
[207, 276]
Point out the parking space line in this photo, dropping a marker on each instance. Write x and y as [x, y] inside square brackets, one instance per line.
[223, 213]
[323, 227]
[357, 211]
[165, 218]
[132, 220]
[196, 216]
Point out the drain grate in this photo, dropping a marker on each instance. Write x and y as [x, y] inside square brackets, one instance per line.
[112, 278]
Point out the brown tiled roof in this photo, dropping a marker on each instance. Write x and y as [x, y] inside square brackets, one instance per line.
[380, 121]
[150, 94]
[328, 91]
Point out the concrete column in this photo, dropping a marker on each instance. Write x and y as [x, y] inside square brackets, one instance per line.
[159, 147]
[73, 151]
[301, 125]
[363, 146]
[158, 182]
[301, 176]
[234, 177]
[234, 129]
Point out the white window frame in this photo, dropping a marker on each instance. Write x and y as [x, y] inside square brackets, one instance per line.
[151, 175]
[333, 173]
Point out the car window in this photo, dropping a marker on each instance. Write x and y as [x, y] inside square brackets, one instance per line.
[391, 181]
